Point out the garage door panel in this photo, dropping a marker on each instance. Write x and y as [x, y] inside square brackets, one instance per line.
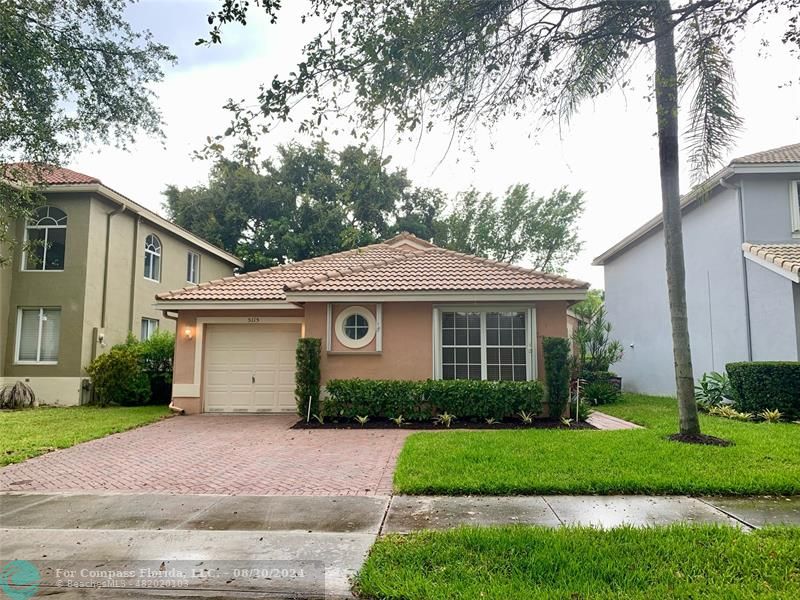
[236, 355]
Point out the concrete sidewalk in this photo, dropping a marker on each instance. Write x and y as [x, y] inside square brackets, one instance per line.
[411, 513]
[291, 547]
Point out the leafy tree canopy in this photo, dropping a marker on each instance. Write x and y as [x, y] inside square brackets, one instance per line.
[311, 201]
[72, 72]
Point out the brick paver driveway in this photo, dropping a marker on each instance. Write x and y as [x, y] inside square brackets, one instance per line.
[215, 454]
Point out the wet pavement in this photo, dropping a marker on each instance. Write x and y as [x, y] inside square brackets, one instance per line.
[206, 546]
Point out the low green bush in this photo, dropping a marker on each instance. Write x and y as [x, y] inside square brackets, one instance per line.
[119, 378]
[556, 374]
[307, 376]
[600, 392]
[759, 386]
[424, 400]
[156, 355]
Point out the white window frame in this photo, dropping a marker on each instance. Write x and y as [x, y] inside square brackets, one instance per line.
[38, 360]
[794, 207]
[531, 362]
[342, 317]
[192, 267]
[153, 253]
[150, 323]
[30, 225]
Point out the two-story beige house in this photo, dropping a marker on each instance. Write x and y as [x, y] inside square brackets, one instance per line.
[90, 275]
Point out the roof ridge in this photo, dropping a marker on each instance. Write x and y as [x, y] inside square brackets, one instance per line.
[507, 265]
[341, 272]
[778, 149]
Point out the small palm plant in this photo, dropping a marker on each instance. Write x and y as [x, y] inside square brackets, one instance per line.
[398, 420]
[445, 419]
[525, 417]
[491, 421]
[771, 416]
[18, 395]
[362, 420]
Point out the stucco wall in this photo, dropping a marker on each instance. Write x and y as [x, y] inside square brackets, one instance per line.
[772, 315]
[767, 208]
[6, 275]
[636, 299]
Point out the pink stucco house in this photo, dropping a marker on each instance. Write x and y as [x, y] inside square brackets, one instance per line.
[400, 309]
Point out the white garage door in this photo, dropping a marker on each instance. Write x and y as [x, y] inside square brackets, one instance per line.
[250, 368]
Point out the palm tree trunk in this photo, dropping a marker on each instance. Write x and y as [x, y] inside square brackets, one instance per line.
[666, 87]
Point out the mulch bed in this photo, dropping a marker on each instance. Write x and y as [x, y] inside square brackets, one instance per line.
[705, 440]
[429, 425]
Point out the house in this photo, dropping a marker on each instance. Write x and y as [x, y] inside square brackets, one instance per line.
[400, 309]
[741, 232]
[89, 276]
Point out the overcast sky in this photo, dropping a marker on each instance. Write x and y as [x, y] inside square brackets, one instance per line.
[609, 150]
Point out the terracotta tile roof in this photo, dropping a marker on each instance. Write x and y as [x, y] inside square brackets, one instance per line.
[268, 284]
[45, 174]
[390, 266]
[784, 154]
[438, 269]
[785, 256]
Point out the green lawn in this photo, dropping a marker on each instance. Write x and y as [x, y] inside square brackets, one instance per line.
[28, 433]
[679, 561]
[764, 460]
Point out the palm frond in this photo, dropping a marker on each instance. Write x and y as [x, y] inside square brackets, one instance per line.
[714, 123]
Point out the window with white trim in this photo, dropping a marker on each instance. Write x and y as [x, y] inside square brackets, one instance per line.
[45, 239]
[193, 267]
[149, 327]
[355, 327]
[152, 258]
[484, 344]
[795, 207]
[38, 333]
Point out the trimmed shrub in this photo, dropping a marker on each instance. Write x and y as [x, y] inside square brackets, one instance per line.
[307, 375]
[758, 386]
[156, 355]
[119, 378]
[600, 392]
[556, 374]
[424, 400]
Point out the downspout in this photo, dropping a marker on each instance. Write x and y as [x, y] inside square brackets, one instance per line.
[134, 255]
[104, 302]
[167, 315]
[745, 282]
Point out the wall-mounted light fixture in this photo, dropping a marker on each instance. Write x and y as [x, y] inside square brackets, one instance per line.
[187, 333]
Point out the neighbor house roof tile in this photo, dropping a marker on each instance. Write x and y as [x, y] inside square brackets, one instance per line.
[45, 174]
[784, 154]
[385, 267]
[785, 256]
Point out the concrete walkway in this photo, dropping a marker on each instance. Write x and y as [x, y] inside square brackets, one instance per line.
[411, 513]
[205, 546]
[601, 420]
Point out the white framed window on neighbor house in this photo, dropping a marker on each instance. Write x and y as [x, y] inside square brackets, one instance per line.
[152, 258]
[45, 240]
[38, 335]
[192, 267]
[794, 196]
[484, 343]
[149, 327]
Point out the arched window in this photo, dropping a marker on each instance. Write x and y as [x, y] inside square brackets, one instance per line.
[152, 258]
[46, 237]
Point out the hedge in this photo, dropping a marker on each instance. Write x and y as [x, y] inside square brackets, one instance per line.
[556, 373]
[423, 400]
[307, 376]
[758, 386]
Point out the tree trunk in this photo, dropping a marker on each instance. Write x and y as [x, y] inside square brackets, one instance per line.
[666, 87]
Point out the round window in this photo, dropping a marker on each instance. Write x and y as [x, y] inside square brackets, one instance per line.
[355, 327]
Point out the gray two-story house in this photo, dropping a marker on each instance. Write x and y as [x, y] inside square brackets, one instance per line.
[89, 275]
[741, 231]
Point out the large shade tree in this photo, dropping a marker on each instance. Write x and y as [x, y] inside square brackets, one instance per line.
[412, 64]
[72, 72]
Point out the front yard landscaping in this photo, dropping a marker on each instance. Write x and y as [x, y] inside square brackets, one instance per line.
[529, 562]
[28, 433]
[765, 458]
